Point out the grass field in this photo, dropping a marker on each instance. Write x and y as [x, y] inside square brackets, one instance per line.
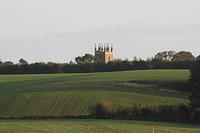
[72, 94]
[93, 126]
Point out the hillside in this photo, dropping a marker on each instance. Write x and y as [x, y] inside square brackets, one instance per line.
[72, 94]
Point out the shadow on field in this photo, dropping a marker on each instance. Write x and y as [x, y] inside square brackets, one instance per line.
[161, 85]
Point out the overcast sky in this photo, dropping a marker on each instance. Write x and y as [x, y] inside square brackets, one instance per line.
[59, 30]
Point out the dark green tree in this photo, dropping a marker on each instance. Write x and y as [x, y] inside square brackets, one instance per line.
[8, 63]
[86, 59]
[23, 62]
[166, 55]
[198, 57]
[195, 84]
[183, 56]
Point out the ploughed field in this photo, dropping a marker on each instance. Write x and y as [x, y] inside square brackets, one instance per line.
[73, 94]
[93, 126]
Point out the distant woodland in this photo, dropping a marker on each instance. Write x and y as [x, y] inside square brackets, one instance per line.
[89, 63]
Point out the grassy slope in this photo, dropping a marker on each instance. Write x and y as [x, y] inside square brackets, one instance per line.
[71, 94]
[93, 126]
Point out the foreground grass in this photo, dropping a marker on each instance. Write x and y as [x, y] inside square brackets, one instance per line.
[93, 126]
[72, 94]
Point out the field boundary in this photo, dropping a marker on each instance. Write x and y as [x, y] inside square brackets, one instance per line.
[46, 117]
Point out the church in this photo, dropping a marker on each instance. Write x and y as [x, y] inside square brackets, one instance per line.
[104, 52]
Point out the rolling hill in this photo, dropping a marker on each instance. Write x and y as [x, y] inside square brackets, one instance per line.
[72, 94]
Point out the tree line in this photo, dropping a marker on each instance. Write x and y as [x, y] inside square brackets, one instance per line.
[89, 63]
[195, 90]
[169, 113]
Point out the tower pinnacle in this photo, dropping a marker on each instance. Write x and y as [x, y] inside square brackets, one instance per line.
[104, 52]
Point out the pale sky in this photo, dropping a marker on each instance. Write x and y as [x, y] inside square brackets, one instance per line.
[59, 30]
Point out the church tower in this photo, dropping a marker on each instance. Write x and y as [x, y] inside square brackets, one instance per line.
[104, 52]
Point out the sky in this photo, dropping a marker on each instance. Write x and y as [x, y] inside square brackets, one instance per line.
[60, 30]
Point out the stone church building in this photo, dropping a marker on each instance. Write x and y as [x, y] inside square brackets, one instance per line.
[104, 53]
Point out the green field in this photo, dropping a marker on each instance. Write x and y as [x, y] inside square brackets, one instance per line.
[93, 126]
[72, 94]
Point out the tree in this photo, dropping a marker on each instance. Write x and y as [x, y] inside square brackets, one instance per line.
[8, 63]
[23, 62]
[166, 55]
[78, 60]
[195, 84]
[86, 59]
[198, 57]
[183, 56]
[135, 58]
[71, 62]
